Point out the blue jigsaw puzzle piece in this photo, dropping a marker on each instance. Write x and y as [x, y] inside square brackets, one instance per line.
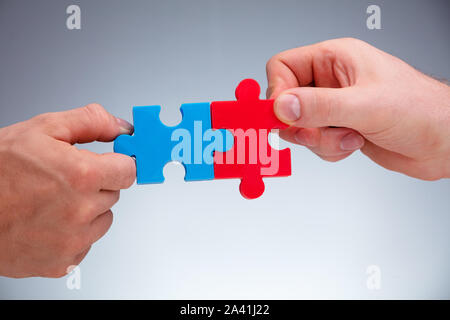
[155, 144]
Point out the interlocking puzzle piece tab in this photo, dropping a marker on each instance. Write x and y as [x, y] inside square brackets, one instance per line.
[250, 120]
[155, 144]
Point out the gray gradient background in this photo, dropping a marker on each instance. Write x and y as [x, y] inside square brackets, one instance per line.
[311, 235]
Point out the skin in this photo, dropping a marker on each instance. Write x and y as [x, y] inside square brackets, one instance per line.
[342, 95]
[56, 200]
[337, 96]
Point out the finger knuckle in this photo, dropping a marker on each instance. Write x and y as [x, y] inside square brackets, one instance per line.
[352, 40]
[86, 212]
[348, 41]
[429, 171]
[77, 214]
[96, 111]
[272, 61]
[46, 120]
[116, 197]
[328, 46]
[83, 176]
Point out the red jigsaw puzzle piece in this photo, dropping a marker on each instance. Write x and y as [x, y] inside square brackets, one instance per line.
[251, 158]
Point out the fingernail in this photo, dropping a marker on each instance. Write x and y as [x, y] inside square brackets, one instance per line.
[288, 107]
[124, 126]
[304, 139]
[352, 141]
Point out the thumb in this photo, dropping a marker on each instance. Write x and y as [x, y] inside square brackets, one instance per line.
[86, 124]
[311, 107]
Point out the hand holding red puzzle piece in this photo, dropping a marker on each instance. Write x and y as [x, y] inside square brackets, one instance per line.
[246, 121]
